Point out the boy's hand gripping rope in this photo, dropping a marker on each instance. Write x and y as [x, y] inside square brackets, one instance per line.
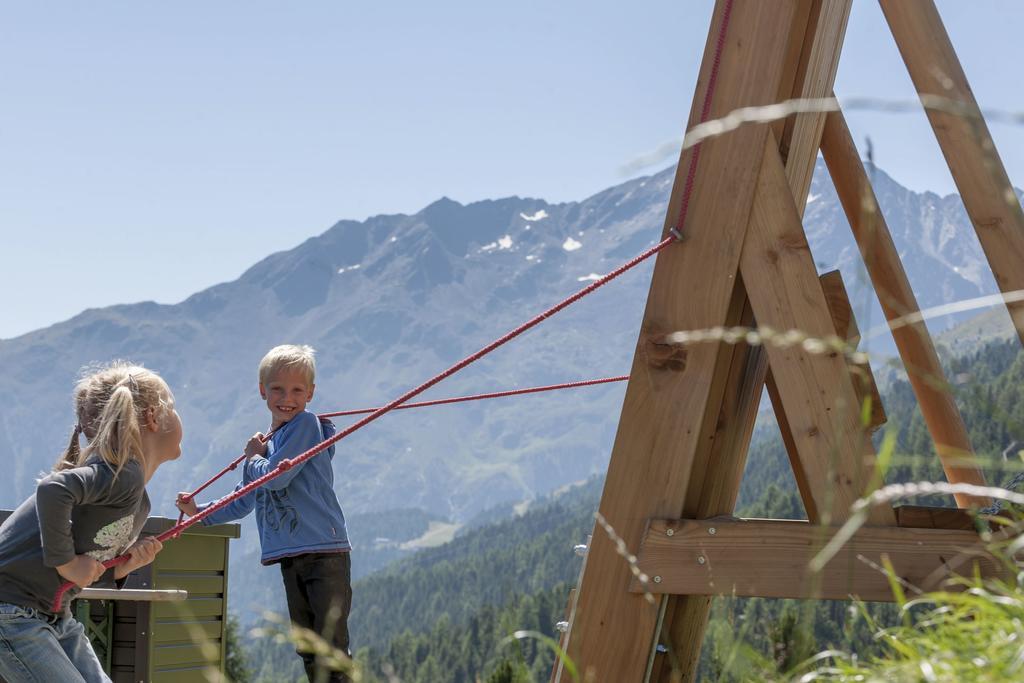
[675, 234]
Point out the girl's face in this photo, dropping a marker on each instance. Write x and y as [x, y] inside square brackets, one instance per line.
[164, 431]
[170, 442]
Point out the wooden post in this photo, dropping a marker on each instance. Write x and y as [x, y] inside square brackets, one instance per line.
[715, 483]
[924, 370]
[965, 141]
[808, 70]
[666, 404]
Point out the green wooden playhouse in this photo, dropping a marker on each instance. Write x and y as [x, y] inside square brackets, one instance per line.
[170, 641]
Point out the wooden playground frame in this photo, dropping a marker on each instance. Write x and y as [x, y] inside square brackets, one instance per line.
[689, 409]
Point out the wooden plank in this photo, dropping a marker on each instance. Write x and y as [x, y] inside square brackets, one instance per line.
[224, 610]
[562, 637]
[184, 654]
[196, 583]
[839, 308]
[927, 378]
[714, 485]
[192, 552]
[815, 388]
[133, 594]
[819, 63]
[186, 631]
[158, 525]
[966, 143]
[665, 404]
[929, 517]
[770, 558]
[845, 326]
[183, 674]
[190, 609]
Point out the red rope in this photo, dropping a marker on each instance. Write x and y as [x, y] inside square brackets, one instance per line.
[705, 111]
[422, 404]
[479, 397]
[285, 465]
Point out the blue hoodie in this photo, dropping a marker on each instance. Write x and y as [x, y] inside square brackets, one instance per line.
[297, 512]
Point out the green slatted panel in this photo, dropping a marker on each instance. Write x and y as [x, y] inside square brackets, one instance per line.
[189, 674]
[166, 657]
[189, 609]
[188, 637]
[187, 553]
[196, 583]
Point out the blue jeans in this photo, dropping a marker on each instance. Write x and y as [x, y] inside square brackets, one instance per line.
[40, 648]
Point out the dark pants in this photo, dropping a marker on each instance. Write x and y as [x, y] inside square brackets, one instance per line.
[319, 592]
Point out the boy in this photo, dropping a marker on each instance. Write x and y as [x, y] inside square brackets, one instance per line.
[300, 521]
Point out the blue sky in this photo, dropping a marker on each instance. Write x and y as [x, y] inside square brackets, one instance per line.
[150, 150]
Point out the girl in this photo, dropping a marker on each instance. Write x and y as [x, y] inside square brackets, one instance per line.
[91, 508]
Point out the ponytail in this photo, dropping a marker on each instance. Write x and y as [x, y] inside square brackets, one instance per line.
[118, 437]
[71, 455]
[111, 404]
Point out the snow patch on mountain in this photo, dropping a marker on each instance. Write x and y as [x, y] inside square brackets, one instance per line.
[535, 216]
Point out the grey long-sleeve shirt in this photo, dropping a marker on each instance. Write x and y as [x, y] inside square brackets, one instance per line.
[106, 514]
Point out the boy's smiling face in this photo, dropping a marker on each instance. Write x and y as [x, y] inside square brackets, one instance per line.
[287, 392]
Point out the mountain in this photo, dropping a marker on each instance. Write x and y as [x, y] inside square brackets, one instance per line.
[391, 300]
[994, 325]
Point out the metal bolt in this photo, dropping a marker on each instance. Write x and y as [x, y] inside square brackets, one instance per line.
[670, 532]
[712, 531]
[700, 559]
[657, 579]
[562, 626]
[580, 549]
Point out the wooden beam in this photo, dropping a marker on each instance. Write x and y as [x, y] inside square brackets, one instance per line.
[770, 558]
[930, 517]
[839, 308]
[966, 143]
[714, 485]
[816, 389]
[924, 370]
[846, 328]
[808, 70]
[822, 46]
[556, 670]
[666, 403]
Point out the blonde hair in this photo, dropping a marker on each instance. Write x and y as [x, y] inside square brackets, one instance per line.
[111, 403]
[290, 356]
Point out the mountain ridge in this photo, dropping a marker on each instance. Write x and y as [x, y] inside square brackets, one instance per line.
[391, 300]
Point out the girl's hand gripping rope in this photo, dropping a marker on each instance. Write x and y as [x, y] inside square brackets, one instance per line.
[83, 571]
[141, 553]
